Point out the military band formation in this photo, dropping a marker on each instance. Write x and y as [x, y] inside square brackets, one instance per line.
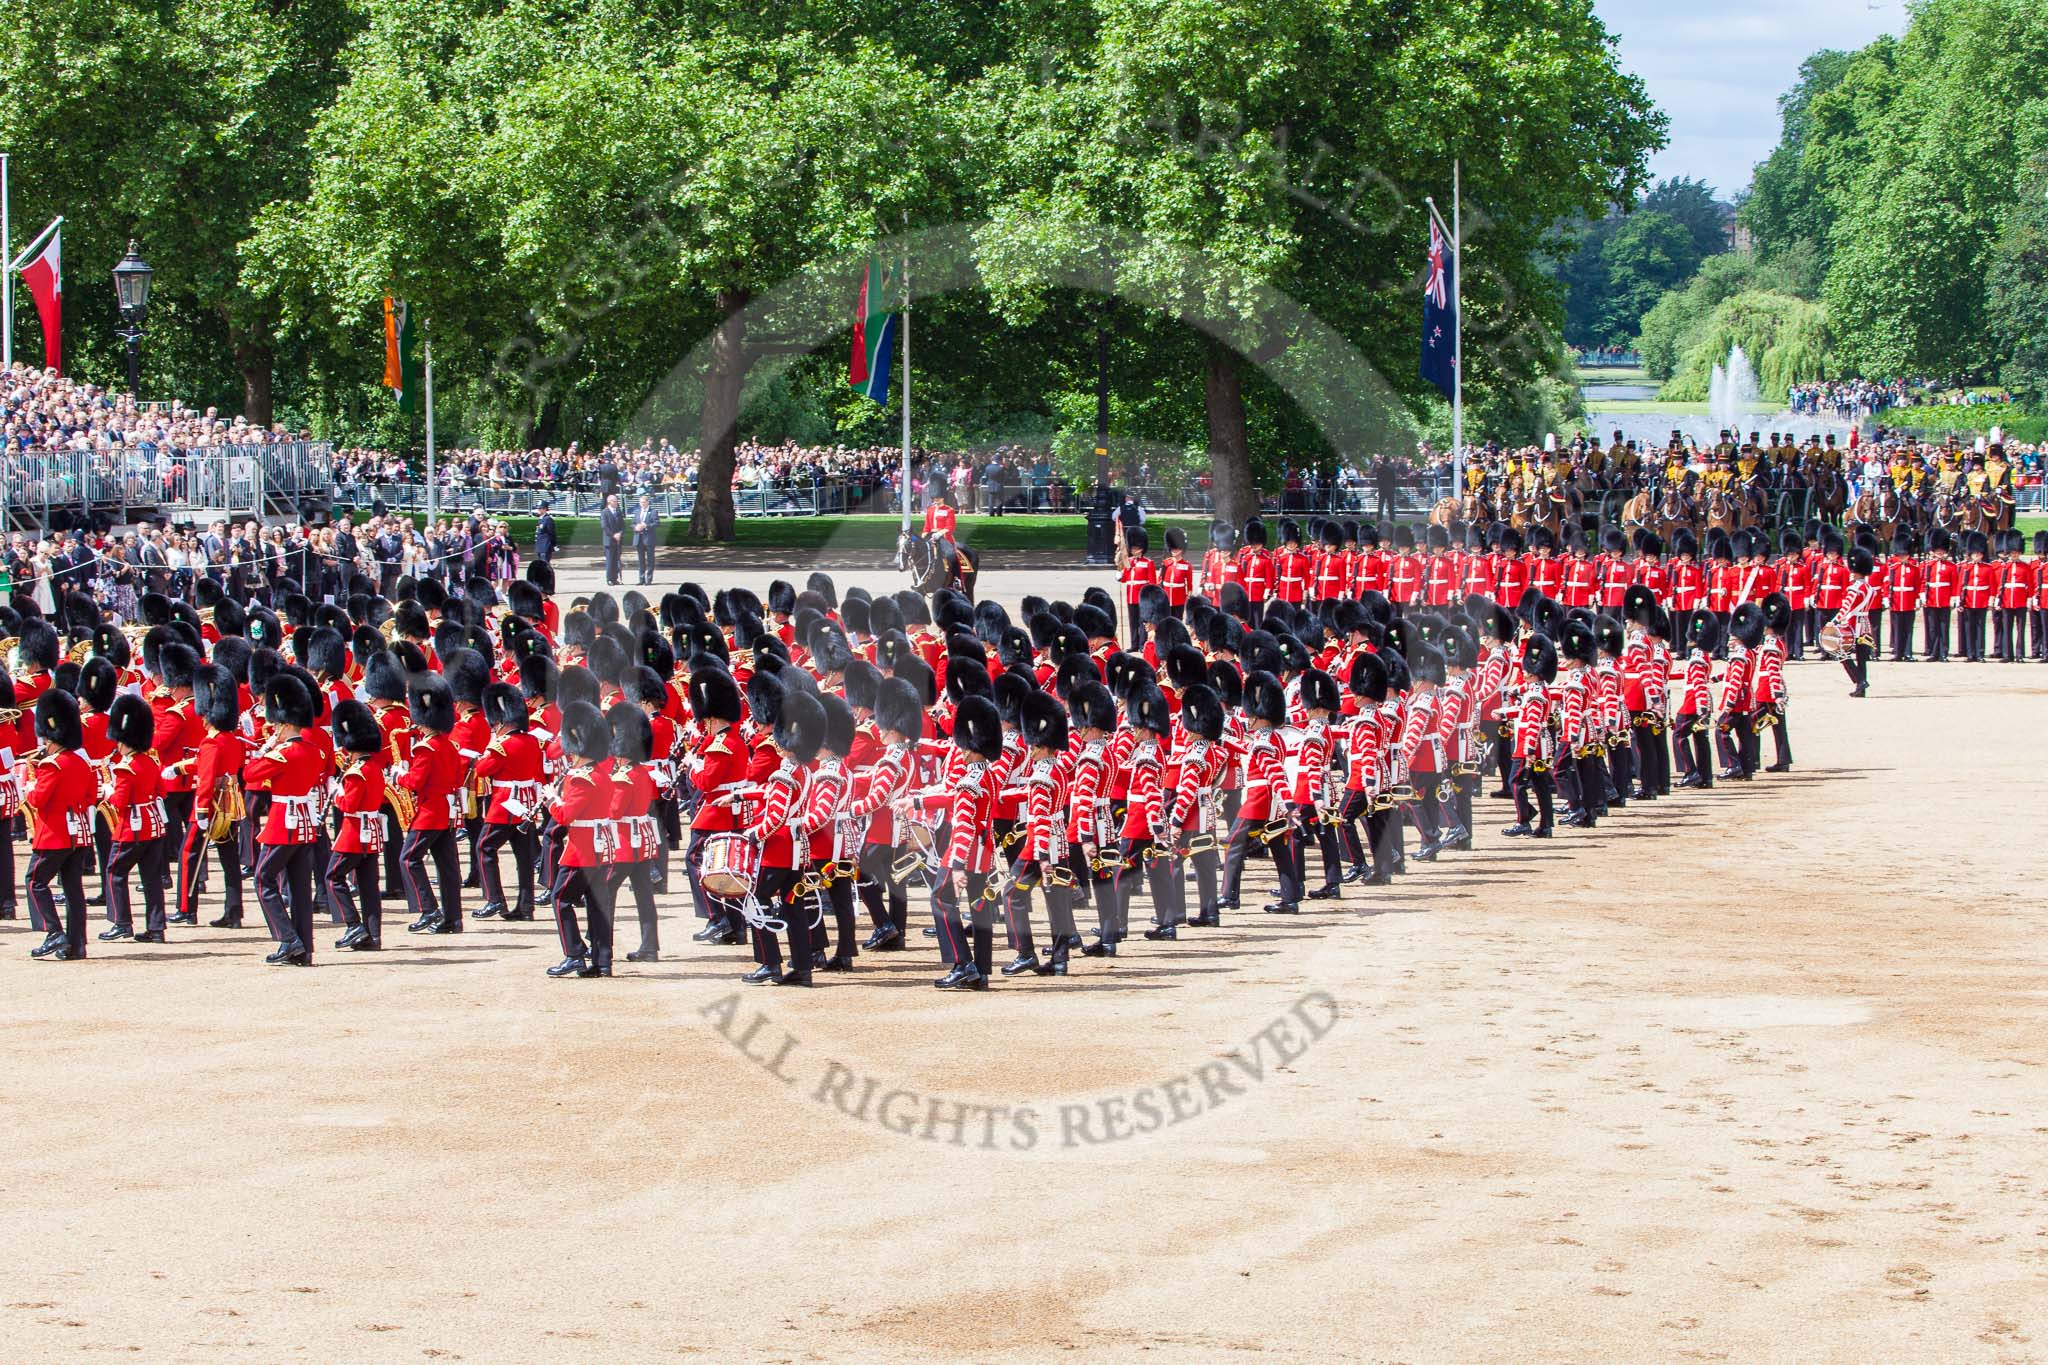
[831, 774]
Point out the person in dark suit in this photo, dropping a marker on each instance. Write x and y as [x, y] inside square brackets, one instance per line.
[544, 536]
[613, 525]
[646, 528]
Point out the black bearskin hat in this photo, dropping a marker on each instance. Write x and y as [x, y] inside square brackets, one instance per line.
[355, 728]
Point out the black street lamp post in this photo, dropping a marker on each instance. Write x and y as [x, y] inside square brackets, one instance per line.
[131, 290]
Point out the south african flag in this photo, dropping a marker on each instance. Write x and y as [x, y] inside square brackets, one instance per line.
[874, 331]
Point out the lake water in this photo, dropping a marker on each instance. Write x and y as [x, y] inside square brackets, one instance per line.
[1651, 424]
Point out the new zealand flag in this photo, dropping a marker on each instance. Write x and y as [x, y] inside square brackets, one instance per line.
[1439, 318]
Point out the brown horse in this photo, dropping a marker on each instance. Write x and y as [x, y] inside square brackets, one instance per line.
[1636, 514]
[1675, 509]
[1721, 511]
[1867, 514]
[1830, 492]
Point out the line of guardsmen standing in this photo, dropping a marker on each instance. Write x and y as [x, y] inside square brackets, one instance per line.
[828, 755]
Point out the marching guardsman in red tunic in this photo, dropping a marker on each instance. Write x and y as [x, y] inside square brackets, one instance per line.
[1136, 571]
[359, 802]
[384, 690]
[636, 836]
[216, 780]
[1455, 726]
[1220, 565]
[969, 856]
[289, 768]
[135, 794]
[1531, 740]
[178, 731]
[1980, 594]
[797, 732]
[1738, 689]
[1308, 796]
[717, 769]
[1333, 568]
[57, 804]
[1852, 620]
[582, 808]
[1770, 710]
[511, 766]
[1191, 813]
[832, 848]
[1091, 716]
[1264, 806]
[1291, 565]
[880, 782]
[468, 673]
[1042, 861]
[434, 775]
[1795, 580]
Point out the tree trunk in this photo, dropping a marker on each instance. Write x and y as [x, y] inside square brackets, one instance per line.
[257, 361]
[1236, 494]
[718, 421]
[544, 432]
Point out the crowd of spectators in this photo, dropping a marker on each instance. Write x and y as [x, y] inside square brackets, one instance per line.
[1848, 399]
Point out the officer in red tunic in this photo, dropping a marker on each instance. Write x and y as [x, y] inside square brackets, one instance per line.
[1136, 571]
[358, 805]
[1941, 582]
[583, 809]
[289, 768]
[1177, 572]
[1255, 564]
[1980, 594]
[434, 775]
[2015, 595]
[135, 794]
[511, 765]
[58, 803]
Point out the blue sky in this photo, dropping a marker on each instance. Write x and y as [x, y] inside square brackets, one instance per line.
[1718, 69]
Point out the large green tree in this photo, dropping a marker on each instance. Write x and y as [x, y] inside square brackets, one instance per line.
[1242, 150]
[175, 123]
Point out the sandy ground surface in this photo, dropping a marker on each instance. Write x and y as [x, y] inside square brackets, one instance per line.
[1754, 1074]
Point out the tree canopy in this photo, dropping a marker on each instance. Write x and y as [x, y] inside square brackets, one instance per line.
[604, 210]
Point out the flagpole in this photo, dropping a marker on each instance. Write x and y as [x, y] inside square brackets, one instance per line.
[6, 275]
[905, 499]
[432, 491]
[1458, 336]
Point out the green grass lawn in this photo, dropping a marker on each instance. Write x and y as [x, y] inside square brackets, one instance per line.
[1623, 406]
[1634, 374]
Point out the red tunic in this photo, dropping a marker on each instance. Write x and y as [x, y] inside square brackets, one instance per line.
[512, 765]
[293, 775]
[583, 809]
[361, 806]
[434, 777]
[61, 792]
[137, 799]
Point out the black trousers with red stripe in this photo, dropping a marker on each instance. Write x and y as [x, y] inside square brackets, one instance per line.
[524, 858]
[284, 888]
[361, 870]
[590, 888]
[148, 856]
[66, 867]
[439, 845]
[955, 943]
[192, 872]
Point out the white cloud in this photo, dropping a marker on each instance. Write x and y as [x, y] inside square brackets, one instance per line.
[1719, 69]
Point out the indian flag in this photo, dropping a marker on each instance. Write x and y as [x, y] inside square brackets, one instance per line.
[401, 362]
[874, 332]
